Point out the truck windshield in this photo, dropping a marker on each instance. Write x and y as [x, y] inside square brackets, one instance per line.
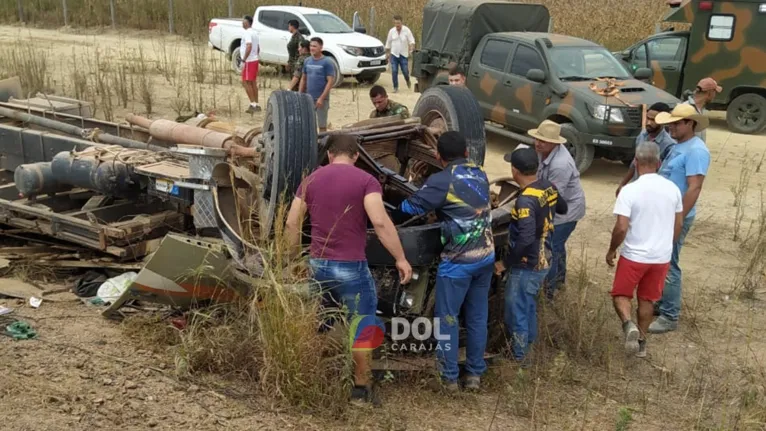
[576, 63]
[327, 23]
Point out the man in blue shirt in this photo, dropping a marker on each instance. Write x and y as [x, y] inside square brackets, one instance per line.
[317, 79]
[686, 166]
[460, 196]
[652, 133]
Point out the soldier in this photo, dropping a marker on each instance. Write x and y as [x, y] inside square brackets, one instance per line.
[705, 93]
[456, 75]
[399, 44]
[558, 167]
[384, 107]
[303, 51]
[293, 46]
[686, 167]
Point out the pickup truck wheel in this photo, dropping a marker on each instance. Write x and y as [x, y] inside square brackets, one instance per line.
[289, 151]
[581, 153]
[236, 61]
[338, 76]
[747, 114]
[449, 108]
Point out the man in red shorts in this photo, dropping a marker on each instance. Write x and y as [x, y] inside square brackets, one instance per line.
[249, 49]
[649, 218]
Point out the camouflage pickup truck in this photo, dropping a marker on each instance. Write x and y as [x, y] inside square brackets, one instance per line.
[723, 43]
[522, 75]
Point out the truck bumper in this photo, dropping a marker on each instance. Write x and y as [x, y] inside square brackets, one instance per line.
[623, 142]
[357, 65]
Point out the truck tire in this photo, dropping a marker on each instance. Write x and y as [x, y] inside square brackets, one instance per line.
[289, 150]
[236, 61]
[582, 153]
[338, 76]
[451, 108]
[746, 114]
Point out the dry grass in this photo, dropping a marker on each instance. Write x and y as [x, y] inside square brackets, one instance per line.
[613, 23]
[27, 62]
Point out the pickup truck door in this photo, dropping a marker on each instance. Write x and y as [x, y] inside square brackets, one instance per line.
[665, 56]
[486, 76]
[267, 26]
[527, 98]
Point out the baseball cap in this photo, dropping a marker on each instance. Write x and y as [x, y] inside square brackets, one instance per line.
[523, 159]
[707, 84]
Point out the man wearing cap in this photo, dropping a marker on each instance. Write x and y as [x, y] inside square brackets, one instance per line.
[704, 93]
[686, 167]
[652, 133]
[558, 167]
[529, 236]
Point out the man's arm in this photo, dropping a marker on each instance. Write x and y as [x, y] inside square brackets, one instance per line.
[429, 198]
[302, 87]
[627, 178]
[525, 222]
[294, 225]
[384, 228]
[411, 39]
[619, 232]
[693, 192]
[559, 177]
[388, 45]
[248, 45]
[679, 224]
[327, 88]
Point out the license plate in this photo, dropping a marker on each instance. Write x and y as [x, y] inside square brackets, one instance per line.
[166, 186]
[375, 63]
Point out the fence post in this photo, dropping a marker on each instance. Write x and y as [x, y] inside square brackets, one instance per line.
[21, 11]
[231, 8]
[111, 12]
[372, 31]
[66, 15]
[170, 15]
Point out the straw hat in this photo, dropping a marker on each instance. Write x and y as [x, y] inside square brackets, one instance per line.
[548, 131]
[684, 111]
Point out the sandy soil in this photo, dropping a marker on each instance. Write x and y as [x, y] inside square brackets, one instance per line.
[85, 373]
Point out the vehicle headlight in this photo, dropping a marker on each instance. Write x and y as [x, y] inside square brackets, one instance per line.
[615, 114]
[352, 50]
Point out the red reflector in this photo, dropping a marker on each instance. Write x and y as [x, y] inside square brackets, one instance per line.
[706, 5]
[210, 26]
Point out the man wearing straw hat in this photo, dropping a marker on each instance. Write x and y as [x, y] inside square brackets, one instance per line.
[558, 167]
[686, 166]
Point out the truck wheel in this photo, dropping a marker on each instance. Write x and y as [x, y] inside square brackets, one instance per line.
[581, 153]
[747, 113]
[338, 76]
[236, 61]
[450, 108]
[289, 151]
[368, 79]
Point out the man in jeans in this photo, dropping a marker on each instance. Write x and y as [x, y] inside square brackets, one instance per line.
[649, 218]
[529, 258]
[318, 76]
[460, 196]
[686, 166]
[399, 44]
[340, 198]
[558, 167]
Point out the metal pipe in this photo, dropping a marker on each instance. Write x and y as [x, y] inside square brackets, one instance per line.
[508, 134]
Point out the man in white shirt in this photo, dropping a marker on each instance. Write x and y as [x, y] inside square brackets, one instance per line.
[649, 219]
[399, 44]
[249, 49]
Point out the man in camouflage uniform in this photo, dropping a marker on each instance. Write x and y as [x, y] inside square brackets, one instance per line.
[293, 46]
[385, 107]
[303, 54]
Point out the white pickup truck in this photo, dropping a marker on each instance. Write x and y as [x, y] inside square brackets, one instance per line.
[353, 53]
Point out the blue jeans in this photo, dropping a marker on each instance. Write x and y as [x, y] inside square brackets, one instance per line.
[557, 274]
[521, 291]
[670, 304]
[471, 292]
[396, 63]
[346, 283]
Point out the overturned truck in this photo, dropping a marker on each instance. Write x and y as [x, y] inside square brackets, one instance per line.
[207, 198]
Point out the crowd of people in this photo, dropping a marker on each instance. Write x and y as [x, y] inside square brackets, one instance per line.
[655, 208]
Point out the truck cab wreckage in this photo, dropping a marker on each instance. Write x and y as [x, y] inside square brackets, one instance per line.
[205, 194]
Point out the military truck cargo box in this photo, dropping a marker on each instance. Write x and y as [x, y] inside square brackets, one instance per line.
[523, 77]
[727, 42]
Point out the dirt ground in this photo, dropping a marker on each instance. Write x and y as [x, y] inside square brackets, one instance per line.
[84, 372]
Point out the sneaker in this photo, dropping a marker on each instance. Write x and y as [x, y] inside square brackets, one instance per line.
[662, 325]
[439, 385]
[362, 396]
[257, 108]
[631, 337]
[250, 109]
[472, 383]
[641, 349]
[396, 90]
[409, 84]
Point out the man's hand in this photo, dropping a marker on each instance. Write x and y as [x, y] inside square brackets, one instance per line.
[499, 267]
[320, 103]
[610, 257]
[405, 271]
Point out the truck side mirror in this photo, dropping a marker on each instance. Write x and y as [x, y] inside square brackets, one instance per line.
[304, 31]
[643, 73]
[536, 75]
[626, 55]
[360, 29]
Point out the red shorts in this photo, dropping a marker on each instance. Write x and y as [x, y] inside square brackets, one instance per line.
[250, 71]
[649, 277]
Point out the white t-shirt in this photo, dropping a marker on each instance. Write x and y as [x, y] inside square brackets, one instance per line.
[250, 36]
[651, 203]
[399, 43]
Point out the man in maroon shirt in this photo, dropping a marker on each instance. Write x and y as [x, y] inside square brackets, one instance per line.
[340, 198]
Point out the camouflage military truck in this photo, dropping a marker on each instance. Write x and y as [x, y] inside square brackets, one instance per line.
[522, 75]
[725, 43]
